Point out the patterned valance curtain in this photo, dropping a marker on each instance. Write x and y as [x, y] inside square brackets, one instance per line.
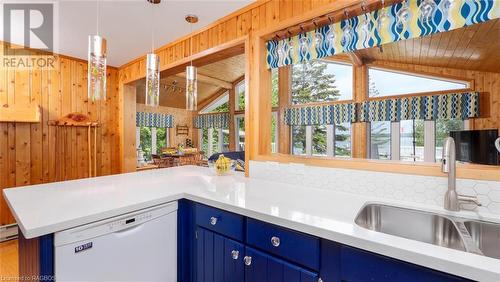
[219, 120]
[154, 119]
[401, 21]
[448, 106]
[316, 115]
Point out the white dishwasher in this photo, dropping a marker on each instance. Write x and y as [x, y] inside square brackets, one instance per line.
[138, 246]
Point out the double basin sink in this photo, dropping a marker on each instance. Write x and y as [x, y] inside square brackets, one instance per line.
[457, 233]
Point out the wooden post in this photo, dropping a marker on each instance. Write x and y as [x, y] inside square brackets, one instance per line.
[232, 108]
[284, 95]
[359, 132]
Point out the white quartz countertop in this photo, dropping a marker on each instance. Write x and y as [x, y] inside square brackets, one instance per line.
[48, 208]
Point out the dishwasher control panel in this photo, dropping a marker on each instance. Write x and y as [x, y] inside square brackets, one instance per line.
[115, 224]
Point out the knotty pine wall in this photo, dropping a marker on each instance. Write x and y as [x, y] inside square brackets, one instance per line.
[28, 153]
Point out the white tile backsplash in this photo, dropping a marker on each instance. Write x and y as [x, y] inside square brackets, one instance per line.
[412, 188]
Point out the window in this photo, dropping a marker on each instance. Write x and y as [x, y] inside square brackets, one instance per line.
[443, 128]
[380, 142]
[412, 140]
[204, 140]
[274, 88]
[322, 140]
[240, 132]
[152, 140]
[319, 140]
[343, 140]
[240, 96]
[274, 132]
[384, 82]
[321, 81]
[298, 140]
[220, 105]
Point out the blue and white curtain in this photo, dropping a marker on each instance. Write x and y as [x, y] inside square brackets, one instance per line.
[218, 120]
[316, 115]
[401, 21]
[154, 119]
[447, 106]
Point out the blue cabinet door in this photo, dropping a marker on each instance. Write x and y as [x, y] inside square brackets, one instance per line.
[360, 266]
[218, 259]
[262, 267]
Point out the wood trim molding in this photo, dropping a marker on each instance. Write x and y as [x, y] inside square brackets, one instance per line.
[466, 171]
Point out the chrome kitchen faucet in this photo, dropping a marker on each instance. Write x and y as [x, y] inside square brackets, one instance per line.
[452, 199]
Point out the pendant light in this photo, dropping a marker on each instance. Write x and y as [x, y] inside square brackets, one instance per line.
[152, 68]
[96, 73]
[191, 73]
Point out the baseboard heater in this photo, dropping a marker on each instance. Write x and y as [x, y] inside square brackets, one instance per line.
[8, 232]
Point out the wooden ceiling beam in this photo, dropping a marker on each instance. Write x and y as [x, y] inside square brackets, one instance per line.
[210, 80]
[356, 58]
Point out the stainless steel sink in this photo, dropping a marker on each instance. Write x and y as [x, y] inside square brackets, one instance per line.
[486, 236]
[411, 224]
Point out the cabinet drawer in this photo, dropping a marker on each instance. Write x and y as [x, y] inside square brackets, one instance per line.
[225, 223]
[294, 246]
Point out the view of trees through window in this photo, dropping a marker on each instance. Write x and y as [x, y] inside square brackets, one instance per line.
[146, 141]
[321, 81]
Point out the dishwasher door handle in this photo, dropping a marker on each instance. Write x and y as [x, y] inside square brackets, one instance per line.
[128, 230]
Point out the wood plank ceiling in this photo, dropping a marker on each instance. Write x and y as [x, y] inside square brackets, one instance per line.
[473, 48]
[212, 78]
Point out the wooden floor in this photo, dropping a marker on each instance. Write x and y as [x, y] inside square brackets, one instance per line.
[9, 270]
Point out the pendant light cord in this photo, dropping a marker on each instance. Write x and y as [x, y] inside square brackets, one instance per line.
[152, 29]
[97, 13]
[191, 42]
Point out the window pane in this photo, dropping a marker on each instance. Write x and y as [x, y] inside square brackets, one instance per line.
[146, 142]
[386, 83]
[319, 140]
[225, 139]
[220, 105]
[241, 133]
[343, 140]
[380, 140]
[320, 81]
[274, 87]
[298, 140]
[160, 139]
[215, 141]
[274, 138]
[204, 141]
[240, 91]
[412, 140]
[443, 128]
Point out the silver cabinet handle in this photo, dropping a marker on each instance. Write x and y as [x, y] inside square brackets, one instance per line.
[275, 241]
[247, 260]
[235, 254]
[213, 220]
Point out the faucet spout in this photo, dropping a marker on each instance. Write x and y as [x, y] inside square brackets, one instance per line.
[448, 165]
[452, 199]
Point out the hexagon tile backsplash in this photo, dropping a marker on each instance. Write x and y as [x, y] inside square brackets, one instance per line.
[411, 188]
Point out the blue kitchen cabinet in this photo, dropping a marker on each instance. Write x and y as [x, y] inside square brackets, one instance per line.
[218, 259]
[344, 263]
[262, 267]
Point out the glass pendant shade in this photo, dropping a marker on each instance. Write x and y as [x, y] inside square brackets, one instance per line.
[97, 68]
[153, 80]
[191, 89]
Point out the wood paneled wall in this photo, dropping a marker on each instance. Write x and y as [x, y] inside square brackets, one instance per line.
[181, 117]
[30, 152]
